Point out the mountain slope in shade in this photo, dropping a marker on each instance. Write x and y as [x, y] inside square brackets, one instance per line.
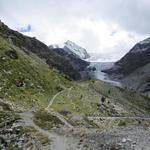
[73, 53]
[78, 63]
[139, 80]
[137, 57]
[133, 69]
[28, 44]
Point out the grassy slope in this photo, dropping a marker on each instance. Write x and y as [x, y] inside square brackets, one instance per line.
[40, 84]
[131, 100]
[79, 100]
[84, 98]
[38, 81]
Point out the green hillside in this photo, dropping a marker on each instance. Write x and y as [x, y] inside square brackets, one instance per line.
[25, 79]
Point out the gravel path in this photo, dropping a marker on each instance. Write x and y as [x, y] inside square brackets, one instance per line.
[131, 137]
[54, 97]
[59, 142]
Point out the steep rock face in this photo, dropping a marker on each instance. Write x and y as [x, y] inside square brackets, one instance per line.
[137, 57]
[28, 44]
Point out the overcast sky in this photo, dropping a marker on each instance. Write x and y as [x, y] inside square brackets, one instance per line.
[107, 27]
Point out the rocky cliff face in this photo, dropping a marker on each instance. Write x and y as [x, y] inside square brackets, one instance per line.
[33, 45]
[137, 57]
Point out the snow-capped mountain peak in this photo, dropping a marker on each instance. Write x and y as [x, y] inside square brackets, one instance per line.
[73, 48]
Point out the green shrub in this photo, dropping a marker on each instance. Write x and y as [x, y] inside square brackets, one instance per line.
[46, 120]
[122, 123]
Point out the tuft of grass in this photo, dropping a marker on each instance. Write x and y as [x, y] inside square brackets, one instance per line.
[122, 123]
[90, 123]
[46, 120]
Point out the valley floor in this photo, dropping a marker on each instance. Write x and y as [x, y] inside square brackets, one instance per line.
[90, 115]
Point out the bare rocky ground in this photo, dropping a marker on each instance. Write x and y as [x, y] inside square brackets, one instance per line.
[119, 138]
[16, 137]
[122, 138]
[22, 133]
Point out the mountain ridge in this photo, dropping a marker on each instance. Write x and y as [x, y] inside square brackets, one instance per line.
[29, 44]
[134, 59]
[133, 65]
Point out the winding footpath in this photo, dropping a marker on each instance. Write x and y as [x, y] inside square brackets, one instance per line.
[52, 100]
[59, 142]
[58, 115]
[54, 97]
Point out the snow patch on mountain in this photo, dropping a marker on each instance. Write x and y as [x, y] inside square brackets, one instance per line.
[73, 48]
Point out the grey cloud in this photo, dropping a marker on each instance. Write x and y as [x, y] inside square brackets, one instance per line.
[133, 15]
[59, 20]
